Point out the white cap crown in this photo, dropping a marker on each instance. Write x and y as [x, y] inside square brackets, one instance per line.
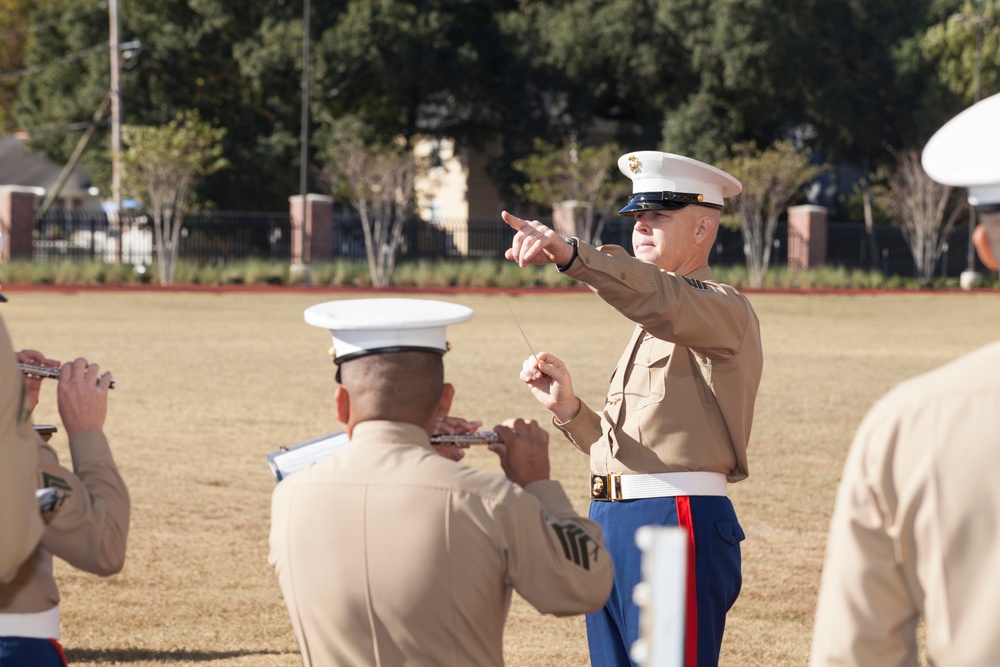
[655, 171]
[367, 326]
[965, 152]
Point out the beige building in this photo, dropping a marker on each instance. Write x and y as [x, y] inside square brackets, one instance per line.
[456, 193]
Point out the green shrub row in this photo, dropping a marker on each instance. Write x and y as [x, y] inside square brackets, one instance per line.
[424, 273]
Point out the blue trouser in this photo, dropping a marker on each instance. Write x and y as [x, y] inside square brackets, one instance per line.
[29, 652]
[716, 577]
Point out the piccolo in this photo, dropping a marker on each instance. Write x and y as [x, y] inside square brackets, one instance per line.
[465, 439]
[41, 372]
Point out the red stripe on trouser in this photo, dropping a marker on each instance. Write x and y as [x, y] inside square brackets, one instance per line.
[59, 648]
[691, 608]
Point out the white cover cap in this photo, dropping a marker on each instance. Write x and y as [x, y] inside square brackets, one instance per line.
[655, 171]
[367, 326]
[965, 152]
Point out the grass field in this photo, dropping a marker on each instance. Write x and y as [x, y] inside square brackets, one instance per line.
[208, 383]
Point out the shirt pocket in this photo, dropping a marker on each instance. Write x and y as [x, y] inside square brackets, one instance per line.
[648, 382]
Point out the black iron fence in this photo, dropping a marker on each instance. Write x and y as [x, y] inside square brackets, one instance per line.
[224, 236]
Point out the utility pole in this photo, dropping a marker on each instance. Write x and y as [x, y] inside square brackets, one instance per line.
[303, 267]
[116, 129]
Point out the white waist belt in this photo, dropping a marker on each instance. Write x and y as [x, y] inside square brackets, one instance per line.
[40, 625]
[614, 486]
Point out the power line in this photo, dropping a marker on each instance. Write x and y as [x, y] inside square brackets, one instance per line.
[51, 24]
[79, 55]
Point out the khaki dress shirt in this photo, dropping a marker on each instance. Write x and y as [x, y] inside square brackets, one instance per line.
[389, 554]
[916, 526]
[682, 396]
[87, 528]
[20, 523]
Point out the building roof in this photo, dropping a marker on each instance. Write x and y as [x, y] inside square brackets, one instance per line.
[19, 166]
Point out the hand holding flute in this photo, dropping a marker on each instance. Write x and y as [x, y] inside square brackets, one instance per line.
[34, 371]
[453, 434]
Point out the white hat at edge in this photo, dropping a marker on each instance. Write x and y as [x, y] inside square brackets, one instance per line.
[965, 152]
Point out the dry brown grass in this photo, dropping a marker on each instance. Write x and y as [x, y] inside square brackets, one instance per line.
[208, 383]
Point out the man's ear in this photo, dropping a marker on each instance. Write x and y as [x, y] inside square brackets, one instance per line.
[704, 229]
[984, 248]
[444, 404]
[342, 401]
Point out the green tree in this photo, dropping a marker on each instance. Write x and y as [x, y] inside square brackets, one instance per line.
[966, 47]
[747, 56]
[867, 90]
[161, 167]
[414, 68]
[15, 32]
[771, 179]
[238, 64]
[574, 173]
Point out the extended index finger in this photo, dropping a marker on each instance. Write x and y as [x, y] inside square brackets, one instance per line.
[514, 222]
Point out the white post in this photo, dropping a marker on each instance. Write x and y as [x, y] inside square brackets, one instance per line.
[661, 596]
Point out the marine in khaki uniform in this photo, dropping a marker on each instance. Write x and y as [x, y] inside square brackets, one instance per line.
[674, 428]
[914, 533]
[20, 523]
[87, 527]
[388, 553]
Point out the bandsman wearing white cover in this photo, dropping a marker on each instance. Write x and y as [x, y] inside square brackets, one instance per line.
[914, 530]
[388, 553]
[675, 424]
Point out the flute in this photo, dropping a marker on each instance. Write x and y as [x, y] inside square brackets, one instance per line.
[465, 439]
[41, 372]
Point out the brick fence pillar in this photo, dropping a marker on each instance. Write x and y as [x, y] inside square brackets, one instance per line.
[318, 228]
[807, 236]
[17, 221]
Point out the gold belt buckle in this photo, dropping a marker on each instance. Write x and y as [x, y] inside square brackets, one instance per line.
[605, 487]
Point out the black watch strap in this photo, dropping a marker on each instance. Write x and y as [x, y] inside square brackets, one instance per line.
[576, 253]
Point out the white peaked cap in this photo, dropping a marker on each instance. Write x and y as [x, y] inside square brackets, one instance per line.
[655, 171]
[368, 326]
[965, 152]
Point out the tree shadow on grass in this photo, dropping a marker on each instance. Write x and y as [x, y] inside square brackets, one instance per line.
[126, 655]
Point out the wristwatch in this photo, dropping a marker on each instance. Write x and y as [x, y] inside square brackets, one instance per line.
[576, 253]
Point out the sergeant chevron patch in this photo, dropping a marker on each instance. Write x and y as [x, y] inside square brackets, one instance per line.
[49, 479]
[577, 545]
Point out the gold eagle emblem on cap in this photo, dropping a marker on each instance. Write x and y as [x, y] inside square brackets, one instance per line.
[634, 164]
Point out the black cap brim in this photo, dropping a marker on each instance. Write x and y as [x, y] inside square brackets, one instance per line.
[663, 201]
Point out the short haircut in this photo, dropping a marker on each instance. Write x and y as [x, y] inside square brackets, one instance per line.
[394, 386]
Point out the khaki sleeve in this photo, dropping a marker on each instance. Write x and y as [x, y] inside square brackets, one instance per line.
[865, 615]
[20, 523]
[556, 558]
[89, 527]
[707, 317]
[583, 430]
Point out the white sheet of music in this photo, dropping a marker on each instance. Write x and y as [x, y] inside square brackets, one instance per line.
[288, 460]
